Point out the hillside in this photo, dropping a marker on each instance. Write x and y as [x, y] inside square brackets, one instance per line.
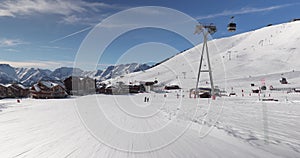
[265, 54]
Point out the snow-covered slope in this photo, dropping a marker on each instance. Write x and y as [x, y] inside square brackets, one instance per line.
[268, 50]
[52, 128]
[257, 54]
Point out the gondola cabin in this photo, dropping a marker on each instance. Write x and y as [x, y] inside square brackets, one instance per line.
[231, 27]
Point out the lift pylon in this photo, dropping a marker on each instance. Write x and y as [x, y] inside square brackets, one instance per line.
[205, 30]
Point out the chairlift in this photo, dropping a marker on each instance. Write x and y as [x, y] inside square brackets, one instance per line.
[231, 27]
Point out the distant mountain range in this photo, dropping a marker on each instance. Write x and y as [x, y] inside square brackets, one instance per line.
[29, 76]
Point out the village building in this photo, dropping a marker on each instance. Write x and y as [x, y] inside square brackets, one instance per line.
[47, 90]
[13, 91]
[148, 85]
[136, 88]
[100, 89]
[3, 91]
[16, 91]
[120, 88]
[203, 92]
[80, 85]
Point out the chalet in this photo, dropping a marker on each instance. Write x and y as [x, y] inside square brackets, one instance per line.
[68, 85]
[16, 91]
[80, 85]
[119, 88]
[3, 91]
[109, 89]
[136, 88]
[47, 90]
[148, 85]
[100, 89]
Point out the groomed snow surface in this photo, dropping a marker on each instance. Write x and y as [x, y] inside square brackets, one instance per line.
[167, 127]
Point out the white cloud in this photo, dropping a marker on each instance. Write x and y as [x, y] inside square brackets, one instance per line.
[72, 19]
[11, 42]
[14, 8]
[244, 11]
[27, 7]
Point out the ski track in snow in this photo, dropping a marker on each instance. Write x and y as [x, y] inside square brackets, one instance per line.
[52, 128]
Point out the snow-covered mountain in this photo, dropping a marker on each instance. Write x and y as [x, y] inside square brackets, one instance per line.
[263, 55]
[117, 70]
[7, 73]
[64, 72]
[29, 76]
[122, 69]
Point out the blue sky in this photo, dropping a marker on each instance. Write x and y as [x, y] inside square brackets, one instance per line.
[48, 33]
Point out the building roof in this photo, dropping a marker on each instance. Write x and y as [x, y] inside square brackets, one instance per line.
[51, 84]
[21, 86]
[36, 87]
[48, 84]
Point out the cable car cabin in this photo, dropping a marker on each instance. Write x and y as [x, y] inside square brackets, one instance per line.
[231, 27]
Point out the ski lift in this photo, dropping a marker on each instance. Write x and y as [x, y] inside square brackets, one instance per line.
[231, 27]
[211, 28]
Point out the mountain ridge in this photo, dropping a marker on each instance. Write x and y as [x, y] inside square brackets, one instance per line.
[29, 76]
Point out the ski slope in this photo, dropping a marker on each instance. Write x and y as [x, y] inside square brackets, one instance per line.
[53, 128]
[265, 54]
